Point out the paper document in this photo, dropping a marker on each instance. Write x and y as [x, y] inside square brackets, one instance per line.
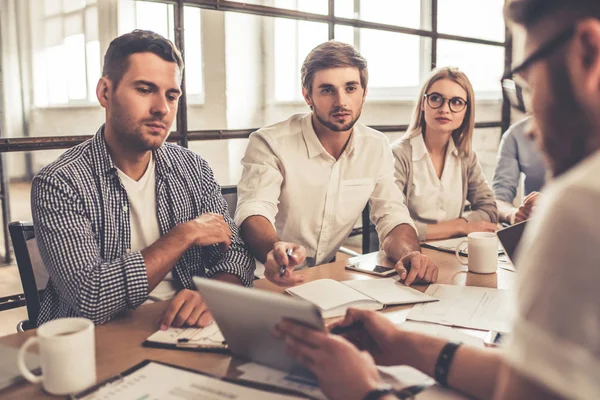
[209, 337]
[449, 245]
[400, 377]
[444, 332]
[158, 381]
[389, 291]
[467, 307]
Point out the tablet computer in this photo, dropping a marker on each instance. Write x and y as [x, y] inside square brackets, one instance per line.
[247, 316]
[510, 238]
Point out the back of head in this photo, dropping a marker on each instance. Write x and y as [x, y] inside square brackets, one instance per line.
[332, 54]
[462, 136]
[529, 12]
[138, 41]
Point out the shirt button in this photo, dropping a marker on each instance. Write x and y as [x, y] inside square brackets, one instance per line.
[125, 208]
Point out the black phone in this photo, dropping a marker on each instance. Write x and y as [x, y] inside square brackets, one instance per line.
[373, 269]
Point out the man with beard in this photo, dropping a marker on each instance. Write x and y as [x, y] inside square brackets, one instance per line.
[124, 215]
[306, 180]
[553, 351]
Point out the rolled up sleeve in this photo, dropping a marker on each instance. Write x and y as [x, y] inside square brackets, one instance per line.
[388, 206]
[237, 259]
[93, 287]
[479, 194]
[260, 185]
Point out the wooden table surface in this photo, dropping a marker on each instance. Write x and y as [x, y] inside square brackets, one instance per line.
[118, 343]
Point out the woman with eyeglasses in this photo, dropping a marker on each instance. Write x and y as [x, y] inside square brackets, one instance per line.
[436, 167]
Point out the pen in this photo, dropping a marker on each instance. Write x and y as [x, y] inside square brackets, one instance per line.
[282, 268]
[340, 330]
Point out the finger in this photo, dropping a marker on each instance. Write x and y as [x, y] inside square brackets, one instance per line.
[300, 351]
[428, 273]
[298, 255]
[279, 255]
[171, 312]
[435, 275]
[195, 317]
[183, 314]
[415, 266]
[400, 269]
[206, 318]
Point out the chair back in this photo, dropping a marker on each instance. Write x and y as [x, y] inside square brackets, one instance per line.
[33, 274]
[230, 195]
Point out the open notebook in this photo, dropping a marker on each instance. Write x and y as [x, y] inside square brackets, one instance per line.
[449, 246]
[334, 298]
[203, 339]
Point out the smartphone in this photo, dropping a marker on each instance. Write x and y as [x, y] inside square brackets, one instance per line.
[372, 269]
[494, 339]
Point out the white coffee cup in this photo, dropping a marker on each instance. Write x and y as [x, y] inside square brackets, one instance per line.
[67, 356]
[482, 250]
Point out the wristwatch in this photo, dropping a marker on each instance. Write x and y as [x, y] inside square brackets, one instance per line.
[379, 392]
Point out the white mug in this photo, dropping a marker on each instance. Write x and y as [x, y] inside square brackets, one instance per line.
[67, 356]
[482, 250]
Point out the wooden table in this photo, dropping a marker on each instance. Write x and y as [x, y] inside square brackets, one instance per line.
[118, 343]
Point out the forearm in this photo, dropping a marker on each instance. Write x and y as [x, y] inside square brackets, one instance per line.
[473, 371]
[505, 211]
[259, 235]
[446, 229]
[161, 256]
[401, 241]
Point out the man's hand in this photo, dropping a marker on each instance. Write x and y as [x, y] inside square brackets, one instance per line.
[209, 229]
[186, 309]
[278, 257]
[416, 267]
[342, 370]
[523, 213]
[480, 226]
[376, 335]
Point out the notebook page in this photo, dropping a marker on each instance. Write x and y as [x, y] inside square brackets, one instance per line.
[389, 291]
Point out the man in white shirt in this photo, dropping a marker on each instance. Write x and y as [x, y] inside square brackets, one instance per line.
[554, 348]
[306, 180]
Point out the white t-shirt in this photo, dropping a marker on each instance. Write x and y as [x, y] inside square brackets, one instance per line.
[435, 199]
[556, 336]
[144, 221]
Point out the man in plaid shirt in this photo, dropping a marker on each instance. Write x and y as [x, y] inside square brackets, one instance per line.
[124, 214]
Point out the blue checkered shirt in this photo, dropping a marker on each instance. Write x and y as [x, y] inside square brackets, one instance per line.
[82, 225]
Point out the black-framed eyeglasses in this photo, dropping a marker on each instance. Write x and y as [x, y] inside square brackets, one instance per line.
[514, 87]
[436, 100]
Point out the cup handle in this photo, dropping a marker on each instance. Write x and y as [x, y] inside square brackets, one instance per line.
[457, 253]
[21, 361]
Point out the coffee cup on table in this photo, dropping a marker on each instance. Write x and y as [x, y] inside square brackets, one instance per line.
[67, 356]
[482, 250]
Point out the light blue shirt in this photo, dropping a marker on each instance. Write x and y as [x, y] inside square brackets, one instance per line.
[518, 153]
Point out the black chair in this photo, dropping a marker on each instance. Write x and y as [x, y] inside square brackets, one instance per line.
[230, 195]
[32, 272]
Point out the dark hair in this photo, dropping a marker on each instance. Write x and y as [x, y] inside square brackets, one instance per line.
[332, 54]
[529, 12]
[116, 59]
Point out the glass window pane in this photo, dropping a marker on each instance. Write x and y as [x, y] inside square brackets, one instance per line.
[73, 25]
[93, 68]
[57, 74]
[293, 41]
[72, 5]
[193, 54]
[455, 17]
[483, 64]
[405, 13]
[91, 24]
[75, 65]
[52, 7]
[156, 17]
[395, 70]
[53, 32]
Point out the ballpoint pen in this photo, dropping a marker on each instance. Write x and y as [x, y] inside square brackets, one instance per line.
[282, 268]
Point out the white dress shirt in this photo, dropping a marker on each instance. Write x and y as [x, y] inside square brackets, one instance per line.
[435, 199]
[311, 198]
[144, 221]
[556, 336]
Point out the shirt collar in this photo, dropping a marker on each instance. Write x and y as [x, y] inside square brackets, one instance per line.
[103, 160]
[313, 144]
[419, 150]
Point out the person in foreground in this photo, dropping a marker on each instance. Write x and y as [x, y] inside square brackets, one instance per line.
[518, 154]
[553, 351]
[306, 180]
[124, 214]
[436, 166]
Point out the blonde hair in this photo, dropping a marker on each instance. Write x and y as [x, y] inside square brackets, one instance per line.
[464, 133]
